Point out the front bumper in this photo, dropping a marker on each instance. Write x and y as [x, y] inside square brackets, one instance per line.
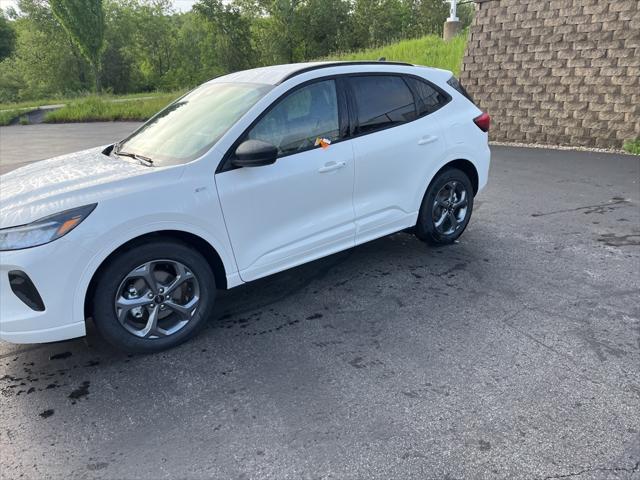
[54, 269]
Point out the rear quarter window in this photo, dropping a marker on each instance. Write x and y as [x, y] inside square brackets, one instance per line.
[455, 83]
[428, 98]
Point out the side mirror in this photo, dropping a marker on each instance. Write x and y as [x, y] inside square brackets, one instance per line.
[254, 153]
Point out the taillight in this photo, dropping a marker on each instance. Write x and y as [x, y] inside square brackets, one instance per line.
[483, 122]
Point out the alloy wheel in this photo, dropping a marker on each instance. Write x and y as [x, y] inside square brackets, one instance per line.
[450, 207]
[157, 299]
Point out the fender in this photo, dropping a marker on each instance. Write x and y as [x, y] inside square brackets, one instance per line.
[126, 232]
[480, 161]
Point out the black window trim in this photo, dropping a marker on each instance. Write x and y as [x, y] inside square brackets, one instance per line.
[347, 119]
[343, 121]
[416, 95]
[353, 116]
[455, 83]
[352, 107]
[320, 66]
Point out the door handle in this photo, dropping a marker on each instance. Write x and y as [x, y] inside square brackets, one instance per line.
[332, 166]
[427, 139]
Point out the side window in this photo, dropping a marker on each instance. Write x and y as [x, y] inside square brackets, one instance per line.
[381, 101]
[455, 83]
[302, 117]
[430, 99]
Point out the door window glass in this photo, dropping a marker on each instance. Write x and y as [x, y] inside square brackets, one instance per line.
[381, 102]
[298, 121]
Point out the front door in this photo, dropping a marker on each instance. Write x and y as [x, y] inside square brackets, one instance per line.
[301, 207]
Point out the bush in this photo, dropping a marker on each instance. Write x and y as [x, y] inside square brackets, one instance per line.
[632, 146]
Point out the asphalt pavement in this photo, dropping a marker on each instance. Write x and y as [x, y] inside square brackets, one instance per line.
[21, 144]
[514, 354]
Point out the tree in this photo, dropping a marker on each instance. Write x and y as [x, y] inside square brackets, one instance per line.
[229, 35]
[325, 27]
[7, 37]
[83, 20]
[379, 22]
[45, 62]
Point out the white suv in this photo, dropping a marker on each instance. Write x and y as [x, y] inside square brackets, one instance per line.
[247, 175]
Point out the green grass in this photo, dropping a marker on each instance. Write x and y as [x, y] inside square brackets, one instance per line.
[8, 115]
[632, 146]
[430, 51]
[61, 100]
[95, 109]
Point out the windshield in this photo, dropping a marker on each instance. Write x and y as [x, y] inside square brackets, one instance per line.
[190, 126]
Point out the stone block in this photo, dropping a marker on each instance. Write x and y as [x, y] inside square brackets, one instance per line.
[591, 27]
[623, 5]
[596, 9]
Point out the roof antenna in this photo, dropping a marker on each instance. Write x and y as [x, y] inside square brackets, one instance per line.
[382, 59]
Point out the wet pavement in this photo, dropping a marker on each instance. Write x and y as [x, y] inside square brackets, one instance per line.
[514, 354]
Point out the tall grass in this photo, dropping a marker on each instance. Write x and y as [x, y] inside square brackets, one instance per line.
[95, 109]
[7, 116]
[430, 51]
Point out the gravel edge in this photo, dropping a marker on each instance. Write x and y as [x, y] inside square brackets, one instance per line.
[561, 147]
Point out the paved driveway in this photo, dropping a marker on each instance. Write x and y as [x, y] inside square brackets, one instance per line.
[512, 354]
[21, 144]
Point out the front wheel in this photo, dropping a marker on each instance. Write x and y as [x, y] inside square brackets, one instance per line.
[446, 208]
[153, 297]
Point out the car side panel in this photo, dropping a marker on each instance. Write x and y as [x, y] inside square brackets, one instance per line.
[289, 213]
[391, 166]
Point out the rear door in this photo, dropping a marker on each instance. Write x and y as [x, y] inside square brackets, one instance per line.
[301, 207]
[397, 141]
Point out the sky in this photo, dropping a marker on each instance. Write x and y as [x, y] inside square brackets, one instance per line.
[181, 5]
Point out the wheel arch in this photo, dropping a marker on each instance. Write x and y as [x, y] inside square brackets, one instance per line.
[465, 166]
[201, 245]
[462, 164]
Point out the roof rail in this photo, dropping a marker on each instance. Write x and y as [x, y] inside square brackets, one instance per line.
[340, 64]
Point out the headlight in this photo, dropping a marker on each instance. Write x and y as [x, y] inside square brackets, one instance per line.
[44, 230]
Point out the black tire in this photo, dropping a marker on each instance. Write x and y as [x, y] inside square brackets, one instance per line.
[427, 228]
[117, 271]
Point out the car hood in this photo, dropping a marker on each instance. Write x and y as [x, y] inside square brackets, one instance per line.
[51, 186]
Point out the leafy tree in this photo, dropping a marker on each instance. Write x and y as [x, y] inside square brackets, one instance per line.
[84, 22]
[61, 47]
[431, 15]
[378, 22]
[119, 72]
[229, 35]
[7, 37]
[324, 27]
[152, 41]
[45, 61]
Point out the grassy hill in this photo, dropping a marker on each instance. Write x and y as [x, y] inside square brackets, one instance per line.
[431, 51]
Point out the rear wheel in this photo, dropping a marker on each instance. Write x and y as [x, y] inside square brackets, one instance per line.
[446, 208]
[153, 297]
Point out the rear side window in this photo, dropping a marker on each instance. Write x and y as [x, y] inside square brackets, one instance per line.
[455, 83]
[381, 101]
[429, 99]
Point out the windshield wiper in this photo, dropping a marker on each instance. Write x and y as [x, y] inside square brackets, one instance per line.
[141, 158]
